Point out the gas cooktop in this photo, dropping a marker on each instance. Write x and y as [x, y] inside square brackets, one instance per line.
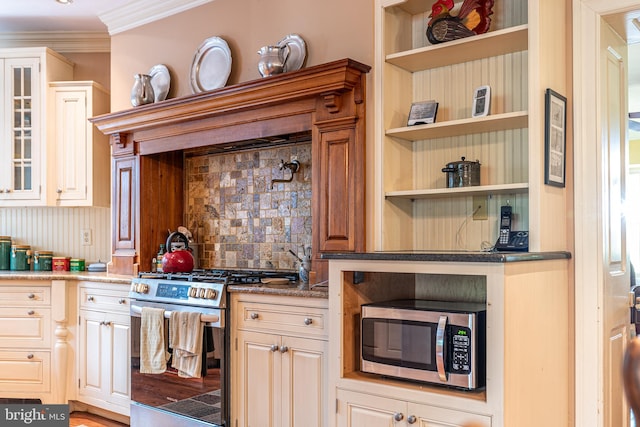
[228, 277]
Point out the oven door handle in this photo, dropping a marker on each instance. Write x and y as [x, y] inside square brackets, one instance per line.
[206, 318]
[440, 337]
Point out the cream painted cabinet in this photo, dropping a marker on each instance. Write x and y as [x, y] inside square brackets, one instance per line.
[79, 153]
[365, 410]
[104, 337]
[26, 73]
[279, 361]
[34, 352]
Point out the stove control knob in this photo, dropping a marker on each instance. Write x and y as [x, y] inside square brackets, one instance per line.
[201, 292]
[142, 288]
[193, 292]
[211, 294]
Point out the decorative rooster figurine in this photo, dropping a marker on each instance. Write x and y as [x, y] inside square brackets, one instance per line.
[473, 18]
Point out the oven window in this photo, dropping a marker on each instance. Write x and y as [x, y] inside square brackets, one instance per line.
[200, 398]
[400, 343]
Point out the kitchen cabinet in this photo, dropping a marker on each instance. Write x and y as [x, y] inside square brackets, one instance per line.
[33, 340]
[24, 121]
[104, 337]
[362, 409]
[149, 142]
[79, 153]
[518, 59]
[279, 361]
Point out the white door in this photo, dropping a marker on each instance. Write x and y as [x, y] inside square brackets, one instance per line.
[615, 309]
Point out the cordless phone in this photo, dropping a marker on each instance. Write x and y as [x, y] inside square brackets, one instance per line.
[510, 240]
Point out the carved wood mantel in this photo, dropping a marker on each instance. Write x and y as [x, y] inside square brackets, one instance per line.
[148, 142]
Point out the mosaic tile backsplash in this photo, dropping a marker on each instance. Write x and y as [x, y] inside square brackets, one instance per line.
[237, 219]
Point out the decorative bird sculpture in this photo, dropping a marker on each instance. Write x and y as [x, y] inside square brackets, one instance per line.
[472, 18]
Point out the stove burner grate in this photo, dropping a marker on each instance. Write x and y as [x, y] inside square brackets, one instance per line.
[230, 277]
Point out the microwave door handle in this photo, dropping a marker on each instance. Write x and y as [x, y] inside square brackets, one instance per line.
[442, 324]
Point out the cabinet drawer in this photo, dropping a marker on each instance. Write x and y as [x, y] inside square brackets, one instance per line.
[104, 299]
[25, 327]
[25, 296]
[281, 318]
[25, 371]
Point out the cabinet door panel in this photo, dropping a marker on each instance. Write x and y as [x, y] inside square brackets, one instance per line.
[260, 379]
[24, 371]
[359, 410]
[91, 353]
[303, 373]
[25, 327]
[120, 374]
[431, 416]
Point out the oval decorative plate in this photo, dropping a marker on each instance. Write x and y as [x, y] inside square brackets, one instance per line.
[211, 65]
[297, 52]
[160, 82]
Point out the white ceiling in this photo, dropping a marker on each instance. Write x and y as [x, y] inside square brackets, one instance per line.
[49, 15]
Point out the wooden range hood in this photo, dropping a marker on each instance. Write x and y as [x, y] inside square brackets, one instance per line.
[148, 142]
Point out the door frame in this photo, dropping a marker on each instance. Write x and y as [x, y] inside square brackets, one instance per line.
[589, 262]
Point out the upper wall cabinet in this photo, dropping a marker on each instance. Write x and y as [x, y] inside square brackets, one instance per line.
[524, 52]
[25, 74]
[78, 153]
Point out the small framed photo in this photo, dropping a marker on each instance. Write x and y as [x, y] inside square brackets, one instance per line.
[481, 101]
[555, 138]
[422, 113]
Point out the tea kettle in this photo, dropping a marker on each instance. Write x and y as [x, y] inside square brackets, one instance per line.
[177, 260]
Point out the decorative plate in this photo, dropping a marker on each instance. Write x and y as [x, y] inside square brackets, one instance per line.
[160, 82]
[211, 65]
[297, 52]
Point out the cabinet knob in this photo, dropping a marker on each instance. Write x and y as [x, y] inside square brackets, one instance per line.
[274, 348]
[411, 419]
[254, 316]
[31, 296]
[59, 191]
[284, 349]
[31, 312]
[308, 321]
[122, 301]
[398, 416]
[105, 323]
[30, 356]
[90, 298]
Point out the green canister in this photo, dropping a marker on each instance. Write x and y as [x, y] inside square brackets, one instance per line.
[76, 264]
[42, 260]
[20, 257]
[5, 252]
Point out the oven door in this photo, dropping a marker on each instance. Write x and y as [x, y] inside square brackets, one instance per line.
[169, 399]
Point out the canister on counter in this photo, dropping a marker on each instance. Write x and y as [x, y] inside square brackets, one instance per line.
[76, 264]
[20, 257]
[5, 252]
[42, 260]
[60, 263]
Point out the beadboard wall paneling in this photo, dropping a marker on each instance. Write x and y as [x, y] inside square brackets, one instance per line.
[59, 230]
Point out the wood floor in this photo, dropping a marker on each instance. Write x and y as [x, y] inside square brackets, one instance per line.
[86, 419]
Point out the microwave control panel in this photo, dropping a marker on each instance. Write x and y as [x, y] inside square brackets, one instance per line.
[460, 350]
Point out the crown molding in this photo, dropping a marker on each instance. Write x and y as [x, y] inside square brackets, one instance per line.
[60, 41]
[142, 12]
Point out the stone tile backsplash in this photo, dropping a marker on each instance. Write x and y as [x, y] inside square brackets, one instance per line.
[237, 219]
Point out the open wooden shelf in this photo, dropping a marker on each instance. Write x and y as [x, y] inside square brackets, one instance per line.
[478, 190]
[493, 43]
[491, 123]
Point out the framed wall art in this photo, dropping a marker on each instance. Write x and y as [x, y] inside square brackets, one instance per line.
[555, 138]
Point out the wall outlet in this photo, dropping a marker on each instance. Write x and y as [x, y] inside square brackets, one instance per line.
[85, 237]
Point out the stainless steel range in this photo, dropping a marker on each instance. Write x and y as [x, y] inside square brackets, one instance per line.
[169, 398]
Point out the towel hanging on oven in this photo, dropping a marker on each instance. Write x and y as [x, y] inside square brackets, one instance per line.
[185, 337]
[153, 352]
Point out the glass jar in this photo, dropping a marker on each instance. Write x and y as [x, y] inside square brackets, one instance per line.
[20, 257]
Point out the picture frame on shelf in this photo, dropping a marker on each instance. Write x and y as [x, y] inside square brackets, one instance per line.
[481, 101]
[555, 138]
[422, 113]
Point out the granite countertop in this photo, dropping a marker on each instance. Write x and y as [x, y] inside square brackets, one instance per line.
[297, 290]
[449, 256]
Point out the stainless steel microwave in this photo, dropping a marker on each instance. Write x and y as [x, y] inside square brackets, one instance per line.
[430, 341]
